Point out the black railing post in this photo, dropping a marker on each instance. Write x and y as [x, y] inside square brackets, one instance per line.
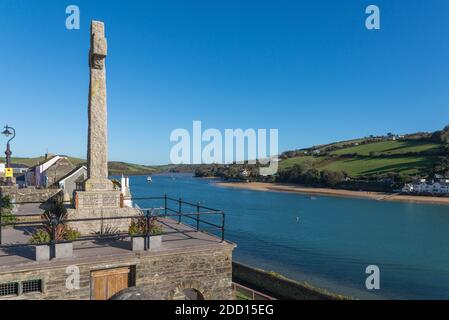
[53, 239]
[198, 216]
[165, 205]
[1, 225]
[222, 226]
[147, 232]
[179, 210]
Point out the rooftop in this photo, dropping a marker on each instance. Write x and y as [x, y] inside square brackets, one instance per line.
[184, 240]
[16, 253]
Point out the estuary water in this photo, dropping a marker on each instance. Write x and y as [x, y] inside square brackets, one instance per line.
[326, 241]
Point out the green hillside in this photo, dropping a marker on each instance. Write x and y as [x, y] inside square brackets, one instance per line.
[407, 157]
[115, 167]
[391, 147]
[404, 165]
[31, 162]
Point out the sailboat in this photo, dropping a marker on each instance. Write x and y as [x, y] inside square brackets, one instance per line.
[149, 180]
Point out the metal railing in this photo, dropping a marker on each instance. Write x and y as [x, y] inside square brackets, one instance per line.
[175, 209]
[248, 293]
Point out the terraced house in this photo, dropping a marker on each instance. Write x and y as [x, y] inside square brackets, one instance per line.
[422, 186]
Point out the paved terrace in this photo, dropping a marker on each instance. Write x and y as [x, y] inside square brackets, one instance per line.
[186, 239]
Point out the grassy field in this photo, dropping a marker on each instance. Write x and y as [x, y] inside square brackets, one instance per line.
[358, 165]
[390, 147]
[117, 168]
[287, 163]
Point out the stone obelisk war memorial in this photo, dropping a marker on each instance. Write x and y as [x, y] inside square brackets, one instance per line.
[99, 199]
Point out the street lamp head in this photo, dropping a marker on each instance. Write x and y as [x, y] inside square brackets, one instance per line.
[6, 132]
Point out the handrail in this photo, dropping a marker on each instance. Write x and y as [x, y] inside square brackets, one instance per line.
[254, 293]
[168, 212]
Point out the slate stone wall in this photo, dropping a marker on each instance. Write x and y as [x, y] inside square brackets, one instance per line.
[207, 270]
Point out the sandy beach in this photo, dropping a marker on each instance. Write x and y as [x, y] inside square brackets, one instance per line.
[380, 196]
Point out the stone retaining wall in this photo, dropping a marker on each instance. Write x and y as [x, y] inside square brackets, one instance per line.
[208, 270]
[273, 285]
[102, 226]
[30, 194]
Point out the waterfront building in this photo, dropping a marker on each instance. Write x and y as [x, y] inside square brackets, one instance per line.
[422, 186]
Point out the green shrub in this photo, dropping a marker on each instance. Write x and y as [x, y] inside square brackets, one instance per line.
[5, 209]
[64, 233]
[71, 234]
[138, 227]
[134, 229]
[156, 230]
[8, 218]
[5, 204]
[40, 237]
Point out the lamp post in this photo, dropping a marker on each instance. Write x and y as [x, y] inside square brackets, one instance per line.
[9, 131]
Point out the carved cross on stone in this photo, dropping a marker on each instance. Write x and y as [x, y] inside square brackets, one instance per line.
[98, 46]
[97, 149]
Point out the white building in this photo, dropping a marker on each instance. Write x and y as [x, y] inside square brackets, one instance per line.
[423, 187]
[126, 191]
[244, 173]
[19, 168]
[69, 182]
[48, 172]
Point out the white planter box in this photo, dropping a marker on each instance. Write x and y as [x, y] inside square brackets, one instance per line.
[155, 242]
[64, 250]
[138, 243]
[42, 252]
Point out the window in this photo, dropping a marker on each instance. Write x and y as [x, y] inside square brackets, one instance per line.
[32, 286]
[9, 289]
[16, 288]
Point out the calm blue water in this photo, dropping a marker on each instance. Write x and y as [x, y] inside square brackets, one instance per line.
[334, 239]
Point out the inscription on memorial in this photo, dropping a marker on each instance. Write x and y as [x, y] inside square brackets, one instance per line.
[106, 199]
[89, 200]
[111, 200]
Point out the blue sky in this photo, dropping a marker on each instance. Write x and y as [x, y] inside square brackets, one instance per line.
[308, 68]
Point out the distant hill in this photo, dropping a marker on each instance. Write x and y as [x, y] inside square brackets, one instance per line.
[381, 163]
[115, 167]
[408, 157]
[31, 162]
